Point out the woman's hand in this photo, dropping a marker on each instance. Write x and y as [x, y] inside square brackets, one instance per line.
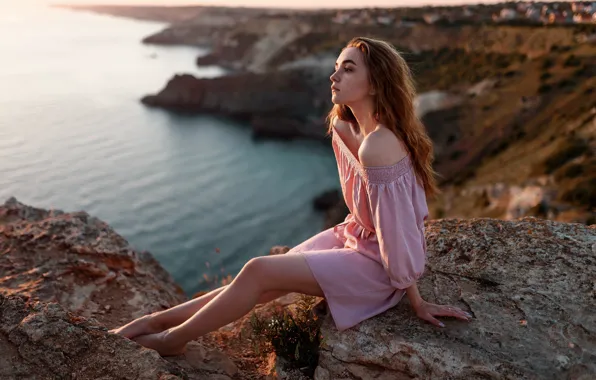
[428, 311]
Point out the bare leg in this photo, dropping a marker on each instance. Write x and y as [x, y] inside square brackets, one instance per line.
[288, 273]
[162, 320]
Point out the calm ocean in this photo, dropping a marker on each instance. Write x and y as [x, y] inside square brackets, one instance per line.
[74, 136]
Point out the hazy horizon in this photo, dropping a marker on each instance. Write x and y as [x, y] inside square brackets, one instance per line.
[266, 3]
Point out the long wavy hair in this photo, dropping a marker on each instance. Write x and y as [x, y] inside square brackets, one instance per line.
[395, 92]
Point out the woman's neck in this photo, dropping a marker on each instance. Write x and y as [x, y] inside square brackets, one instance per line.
[367, 122]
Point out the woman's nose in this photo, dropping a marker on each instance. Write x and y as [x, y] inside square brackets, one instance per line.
[333, 77]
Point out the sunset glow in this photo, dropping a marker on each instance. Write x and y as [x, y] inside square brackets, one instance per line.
[264, 3]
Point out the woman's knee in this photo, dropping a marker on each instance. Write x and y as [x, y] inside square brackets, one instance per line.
[254, 265]
[252, 270]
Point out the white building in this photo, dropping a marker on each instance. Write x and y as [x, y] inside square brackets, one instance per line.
[385, 20]
[577, 7]
[341, 18]
[522, 7]
[507, 14]
[533, 14]
[431, 18]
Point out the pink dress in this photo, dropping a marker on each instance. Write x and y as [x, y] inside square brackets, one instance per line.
[364, 264]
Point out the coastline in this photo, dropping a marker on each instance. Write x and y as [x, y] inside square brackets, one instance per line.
[466, 78]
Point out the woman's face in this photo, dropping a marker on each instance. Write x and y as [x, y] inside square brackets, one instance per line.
[350, 83]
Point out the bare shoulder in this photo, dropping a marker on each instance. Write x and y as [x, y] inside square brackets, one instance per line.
[342, 126]
[381, 148]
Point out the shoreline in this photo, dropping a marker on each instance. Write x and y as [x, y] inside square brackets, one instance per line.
[468, 81]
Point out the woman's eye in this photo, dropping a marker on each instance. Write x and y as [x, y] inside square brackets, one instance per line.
[347, 69]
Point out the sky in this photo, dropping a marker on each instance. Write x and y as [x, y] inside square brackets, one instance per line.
[271, 3]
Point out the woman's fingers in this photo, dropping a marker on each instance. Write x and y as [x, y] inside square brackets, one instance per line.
[431, 311]
[451, 311]
[458, 313]
[433, 320]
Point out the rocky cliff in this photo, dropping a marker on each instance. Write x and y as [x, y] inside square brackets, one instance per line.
[66, 278]
[284, 104]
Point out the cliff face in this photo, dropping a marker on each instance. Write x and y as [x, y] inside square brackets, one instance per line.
[282, 104]
[81, 263]
[65, 280]
[528, 283]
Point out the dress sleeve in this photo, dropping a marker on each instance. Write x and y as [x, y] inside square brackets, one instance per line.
[399, 226]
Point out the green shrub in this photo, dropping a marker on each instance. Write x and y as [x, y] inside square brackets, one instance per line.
[548, 63]
[566, 83]
[455, 155]
[544, 88]
[573, 149]
[583, 194]
[500, 148]
[294, 337]
[572, 61]
[574, 171]
[545, 76]
[584, 71]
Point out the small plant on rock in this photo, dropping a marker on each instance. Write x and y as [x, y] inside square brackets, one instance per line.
[294, 336]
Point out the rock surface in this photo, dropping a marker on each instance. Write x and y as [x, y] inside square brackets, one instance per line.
[66, 279]
[81, 263]
[43, 341]
[530, 286]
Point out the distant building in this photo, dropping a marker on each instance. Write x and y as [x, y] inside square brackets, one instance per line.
[577, 7]
[385, 20]
[405, 24]
[533, 14]
[507, 14]
[583, 18]
[431, 18]
[523, 7]
[559, 18]
[341, 18]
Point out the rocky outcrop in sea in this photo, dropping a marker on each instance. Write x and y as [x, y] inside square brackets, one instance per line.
[283, 104]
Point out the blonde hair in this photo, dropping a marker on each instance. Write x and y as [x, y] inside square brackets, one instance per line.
[392, 80]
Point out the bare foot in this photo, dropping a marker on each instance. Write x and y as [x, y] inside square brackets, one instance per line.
[160, 343]
[140, 326]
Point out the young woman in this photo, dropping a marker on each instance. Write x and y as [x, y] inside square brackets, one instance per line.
[366, 264]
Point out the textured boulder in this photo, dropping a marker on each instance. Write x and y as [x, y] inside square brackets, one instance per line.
[65, 279]
[81, 263]
[44, 341]
[530, 285]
